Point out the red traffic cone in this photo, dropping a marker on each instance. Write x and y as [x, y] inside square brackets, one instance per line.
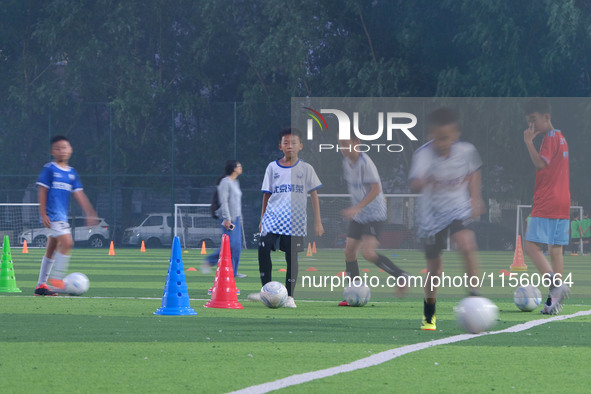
[223, 294]
[518, 260]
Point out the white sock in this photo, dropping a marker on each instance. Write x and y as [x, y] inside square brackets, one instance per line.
[60, 268]
[46, 265]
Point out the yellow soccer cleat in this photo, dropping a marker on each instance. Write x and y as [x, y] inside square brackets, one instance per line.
[429, 326]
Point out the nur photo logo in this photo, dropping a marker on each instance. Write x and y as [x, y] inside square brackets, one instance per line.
[388, 123]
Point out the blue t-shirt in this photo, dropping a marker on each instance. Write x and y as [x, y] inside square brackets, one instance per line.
[60, 182]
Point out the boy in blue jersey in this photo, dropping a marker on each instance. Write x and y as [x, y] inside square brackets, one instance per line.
[446, 171]
[283, 225]
[56, 181]
[367, 214]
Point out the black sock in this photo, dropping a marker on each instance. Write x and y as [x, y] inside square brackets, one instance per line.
[265, 264]
[291, 276]
[352, 268]
[549, 299]
[388, 266]
[428, 310]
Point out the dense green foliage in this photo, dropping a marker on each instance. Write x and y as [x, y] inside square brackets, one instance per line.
[148, 87]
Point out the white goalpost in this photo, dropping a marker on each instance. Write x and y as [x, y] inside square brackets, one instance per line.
[194, 225]
[20, 221]
[523, 212]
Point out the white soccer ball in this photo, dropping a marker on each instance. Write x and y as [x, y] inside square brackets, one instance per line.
[76, 283]
[357, 294]
[476, 314]
[273, 294]
[527, 298]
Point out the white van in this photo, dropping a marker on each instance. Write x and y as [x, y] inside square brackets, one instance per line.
[156, 230]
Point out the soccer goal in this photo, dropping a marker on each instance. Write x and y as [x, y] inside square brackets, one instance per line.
[20, 221]
[523, 214]
[399, 231]
[194, 225]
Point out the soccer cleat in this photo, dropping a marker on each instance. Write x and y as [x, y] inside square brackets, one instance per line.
[343, 303]
[558, 294]
[553, 309]
[44, 290]
[239, 275]
[254, 297]
[429, 326]
[57, 284]
[290, 303]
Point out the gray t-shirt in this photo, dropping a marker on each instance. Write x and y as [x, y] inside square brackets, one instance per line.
[445, 196]
[230, 197]
[359, 177]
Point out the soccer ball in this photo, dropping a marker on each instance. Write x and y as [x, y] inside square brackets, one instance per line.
[527, 298]
[76, 283]
[476, 314]
[273, 294]
[357, 294]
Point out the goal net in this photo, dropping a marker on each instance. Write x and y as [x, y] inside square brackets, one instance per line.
[399, 231]
[20, 221]
[523, 214]
[194, 225]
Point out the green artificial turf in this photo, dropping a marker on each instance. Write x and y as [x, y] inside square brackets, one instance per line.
[109, 340]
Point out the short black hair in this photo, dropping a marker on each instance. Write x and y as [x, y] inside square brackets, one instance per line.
[442, 116]
[290, 131]
[58, 138]
[538, 104]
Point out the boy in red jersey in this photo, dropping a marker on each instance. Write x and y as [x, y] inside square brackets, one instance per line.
[550, 217]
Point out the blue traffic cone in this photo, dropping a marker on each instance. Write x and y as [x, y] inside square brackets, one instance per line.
[175, 299]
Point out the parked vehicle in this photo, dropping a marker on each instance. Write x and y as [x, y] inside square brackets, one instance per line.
[156, 230]
[94, 236]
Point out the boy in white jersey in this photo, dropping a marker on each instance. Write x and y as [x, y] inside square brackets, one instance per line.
[367, 212]
[447, 173]
[56, 181]
[283, 225]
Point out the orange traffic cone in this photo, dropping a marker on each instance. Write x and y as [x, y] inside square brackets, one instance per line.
[309, 252]
[518, 260]
[314, 247]
[223, 294]
[112, 249]
[25, 248]
[143, 247]
[203, 250]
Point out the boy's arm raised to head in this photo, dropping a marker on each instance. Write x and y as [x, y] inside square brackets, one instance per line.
[528, 137]
[42, 199]
[474, 188]
[266, 197]
[318, 227]
[375, 190]
[91, 216]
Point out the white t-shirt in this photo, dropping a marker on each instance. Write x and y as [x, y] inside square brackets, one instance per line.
[359, 177]
[445, 197]
[289, 187]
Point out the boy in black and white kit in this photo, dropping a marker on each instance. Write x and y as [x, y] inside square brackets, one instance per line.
[283, 224]
[367, 213]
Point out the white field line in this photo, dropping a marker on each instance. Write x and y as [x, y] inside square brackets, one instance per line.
[391, 354]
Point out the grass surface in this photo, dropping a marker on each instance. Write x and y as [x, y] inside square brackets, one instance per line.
[110, 341]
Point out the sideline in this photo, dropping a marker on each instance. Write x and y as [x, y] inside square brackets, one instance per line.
[391, 354]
